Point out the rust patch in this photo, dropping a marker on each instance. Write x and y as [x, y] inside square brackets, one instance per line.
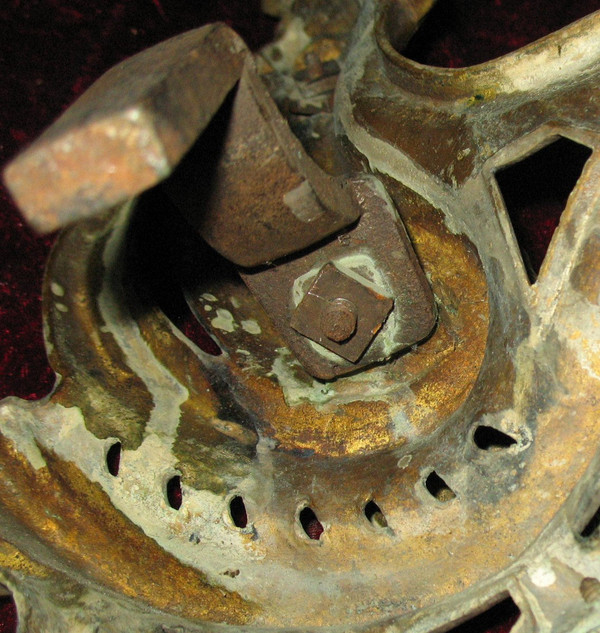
[128, 130]
[439, 140]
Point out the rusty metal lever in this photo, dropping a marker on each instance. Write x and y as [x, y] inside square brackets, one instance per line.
[130, 130]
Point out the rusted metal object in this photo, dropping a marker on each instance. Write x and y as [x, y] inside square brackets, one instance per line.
[135, 124]
[338, 308]
[372, 265]
[262, 172]
[338, 320]
[263, 197]
[415, 451]
[129, 130]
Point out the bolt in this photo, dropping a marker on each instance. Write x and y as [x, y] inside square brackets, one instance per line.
[590, 589]
[338, 320]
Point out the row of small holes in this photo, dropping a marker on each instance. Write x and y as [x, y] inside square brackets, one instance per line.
[173, 486]
[314, 528]
[174, 494]
[237, 508]
[485, 437]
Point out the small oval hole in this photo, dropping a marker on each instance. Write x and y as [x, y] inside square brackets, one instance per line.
[592, 525]
[174, 493]
[487, 438]
[238, 513]
[310, 524]
[8, 611]
[438, 488]
[113, 459]
[375, 515]
[501, 616]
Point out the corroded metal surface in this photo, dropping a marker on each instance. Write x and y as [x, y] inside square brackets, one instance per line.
[128, 130]
[335, 307]
[261, 169]
[483, 430]
[377, 259]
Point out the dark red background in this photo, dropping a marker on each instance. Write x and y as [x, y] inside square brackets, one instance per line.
[51, 50]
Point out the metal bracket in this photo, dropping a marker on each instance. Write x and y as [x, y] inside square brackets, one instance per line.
[371, 265]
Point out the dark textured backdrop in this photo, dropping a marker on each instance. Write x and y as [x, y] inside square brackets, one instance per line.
[51, 50]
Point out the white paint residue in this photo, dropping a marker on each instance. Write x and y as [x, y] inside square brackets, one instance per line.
[400, 425]
[295, 392]
[293, 41]
[61, 307]
[570, 58]
[587, 347]
[16, 425]
[302, 284]
[251, 326]
[543, 577]
[65, 433]
[133, 114]
[373, 385]
[57, 289]
[208, 297]
[303, 203]
[167, 393]
[404, 461]
[224, 320]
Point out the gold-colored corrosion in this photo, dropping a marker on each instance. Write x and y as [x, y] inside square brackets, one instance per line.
[408, 495]
[82, 526]
[13, 559]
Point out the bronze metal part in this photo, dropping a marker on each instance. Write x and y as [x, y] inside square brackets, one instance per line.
[401, 428]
